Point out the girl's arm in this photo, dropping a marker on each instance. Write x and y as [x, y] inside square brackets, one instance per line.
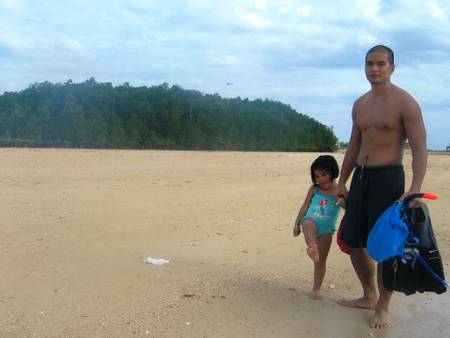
[305, 205]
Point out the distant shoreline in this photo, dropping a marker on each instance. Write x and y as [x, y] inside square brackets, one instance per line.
[339, 151]
[408, 151]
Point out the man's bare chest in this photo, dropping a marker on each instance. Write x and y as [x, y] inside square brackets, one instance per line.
[382, 118]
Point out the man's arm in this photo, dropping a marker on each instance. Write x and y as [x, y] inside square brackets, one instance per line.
[350, 158]
[416, 134]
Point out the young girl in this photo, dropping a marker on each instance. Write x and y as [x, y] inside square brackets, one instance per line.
[318, 216]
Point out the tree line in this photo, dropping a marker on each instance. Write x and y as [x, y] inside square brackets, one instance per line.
[99, 115]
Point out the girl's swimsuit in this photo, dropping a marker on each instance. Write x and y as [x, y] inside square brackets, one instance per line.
[324, 212]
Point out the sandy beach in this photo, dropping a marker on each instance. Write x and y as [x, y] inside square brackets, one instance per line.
[77, 225]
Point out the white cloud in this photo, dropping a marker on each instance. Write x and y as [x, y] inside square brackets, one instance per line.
[366, 39]
[304, 10]
[13, 5]
[227, 60]
[72, 45]
[308, 54]
[256, 20]
[373, 10]
[437, 11]
[261, 4]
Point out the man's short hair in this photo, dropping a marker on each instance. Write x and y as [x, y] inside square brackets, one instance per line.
[382, 49]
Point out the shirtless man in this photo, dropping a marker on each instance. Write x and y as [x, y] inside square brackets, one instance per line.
[383, 119]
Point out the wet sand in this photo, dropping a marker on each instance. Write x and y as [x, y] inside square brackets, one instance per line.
[76, 226]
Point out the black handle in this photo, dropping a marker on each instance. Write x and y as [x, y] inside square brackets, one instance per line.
[420, 195]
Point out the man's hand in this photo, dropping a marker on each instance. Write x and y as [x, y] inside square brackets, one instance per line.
[414, 203]
[341, 195]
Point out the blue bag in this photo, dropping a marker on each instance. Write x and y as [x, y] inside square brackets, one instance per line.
[388, 235]
[402, 238]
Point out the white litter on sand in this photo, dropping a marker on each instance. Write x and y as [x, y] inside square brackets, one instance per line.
[156, 261]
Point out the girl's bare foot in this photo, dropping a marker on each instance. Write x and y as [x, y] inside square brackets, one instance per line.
[297, 229]
[315, 295]
[313, 252]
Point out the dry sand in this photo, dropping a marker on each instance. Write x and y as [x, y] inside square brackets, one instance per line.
[76, 226]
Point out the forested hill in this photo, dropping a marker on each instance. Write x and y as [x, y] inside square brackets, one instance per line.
[99, 115]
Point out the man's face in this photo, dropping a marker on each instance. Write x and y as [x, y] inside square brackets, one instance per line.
[378, 68]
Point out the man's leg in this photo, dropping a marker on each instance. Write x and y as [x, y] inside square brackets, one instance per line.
[365, 270]
[381, 317]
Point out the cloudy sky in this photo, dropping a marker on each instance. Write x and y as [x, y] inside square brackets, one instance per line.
[308, 54]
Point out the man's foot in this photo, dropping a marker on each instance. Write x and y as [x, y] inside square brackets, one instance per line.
[380, 320]
[359, 303]
[313, 252]
[315, 295]
[297, 230]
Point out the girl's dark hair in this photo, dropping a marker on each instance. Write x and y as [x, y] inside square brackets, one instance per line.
[326, 163]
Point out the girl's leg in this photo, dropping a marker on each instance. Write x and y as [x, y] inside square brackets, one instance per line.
[310, 231]
[323, 244]
[296, 230]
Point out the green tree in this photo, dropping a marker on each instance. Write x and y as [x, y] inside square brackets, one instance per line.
[92, 114]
